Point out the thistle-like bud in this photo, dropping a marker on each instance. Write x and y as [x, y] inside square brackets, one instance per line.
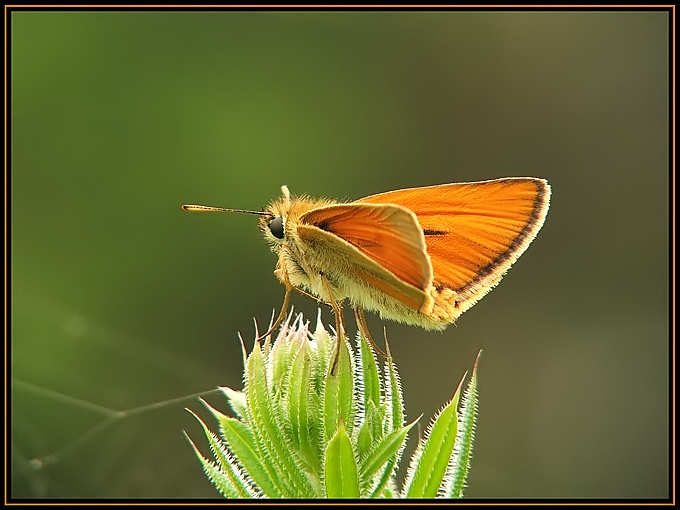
[316, 420]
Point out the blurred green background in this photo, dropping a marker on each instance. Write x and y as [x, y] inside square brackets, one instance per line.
[122, 300]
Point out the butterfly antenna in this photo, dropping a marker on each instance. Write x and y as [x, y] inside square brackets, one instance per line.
[208, 208]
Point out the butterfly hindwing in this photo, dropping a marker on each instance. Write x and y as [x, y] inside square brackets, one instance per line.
[384, 242]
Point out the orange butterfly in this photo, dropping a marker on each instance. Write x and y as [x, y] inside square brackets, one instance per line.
[421, 256]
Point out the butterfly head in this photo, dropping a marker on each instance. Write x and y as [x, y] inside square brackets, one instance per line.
[273, 221]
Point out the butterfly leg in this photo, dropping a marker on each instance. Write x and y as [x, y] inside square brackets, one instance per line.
[282, 314]
[337, 309]
[280, 269]
[311, 296]
[363, 328]
[339, 321]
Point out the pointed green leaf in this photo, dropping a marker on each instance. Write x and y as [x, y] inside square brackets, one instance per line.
[371, 377]
[237, 401]
[394, 397]
[365, 439]
[460, 467]
[215, 475]
[324, 346]
[242, 445]
[384, 452]
[278, 361]
[228, 477]
[341, 475]
[339, 391]
[432, 459]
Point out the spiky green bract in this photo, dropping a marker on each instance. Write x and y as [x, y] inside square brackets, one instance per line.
[320, 420]
[441, 462]
[342, 478]
[459, 464]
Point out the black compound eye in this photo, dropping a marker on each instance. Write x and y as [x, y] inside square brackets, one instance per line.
[276, 227]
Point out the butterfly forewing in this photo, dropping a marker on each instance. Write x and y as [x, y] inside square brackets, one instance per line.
[474, 231]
